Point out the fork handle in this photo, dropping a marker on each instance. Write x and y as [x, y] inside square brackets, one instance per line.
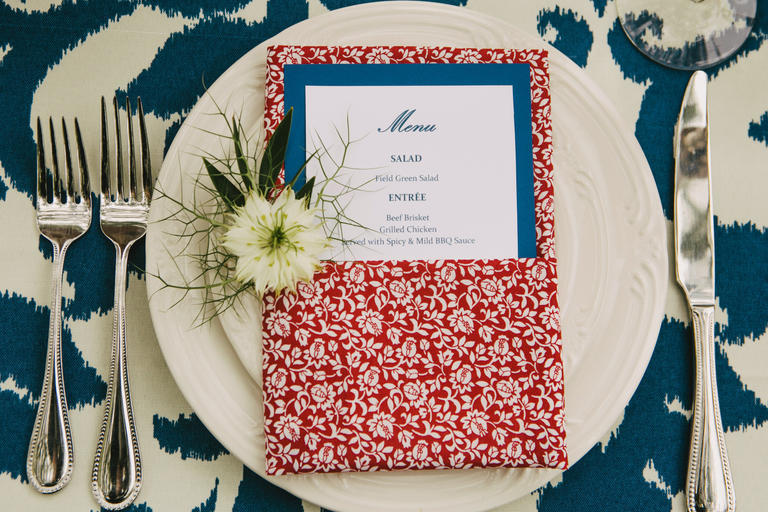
[709, 486]
[116, 478]
[50, 456]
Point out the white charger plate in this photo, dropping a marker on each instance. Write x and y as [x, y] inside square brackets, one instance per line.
[611, 245]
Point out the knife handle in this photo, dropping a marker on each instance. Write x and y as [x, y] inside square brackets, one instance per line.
[709, 484]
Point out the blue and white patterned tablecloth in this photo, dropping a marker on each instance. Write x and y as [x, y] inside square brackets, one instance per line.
[58, 57]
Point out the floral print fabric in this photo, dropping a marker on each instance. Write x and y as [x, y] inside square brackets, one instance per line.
[419, 364]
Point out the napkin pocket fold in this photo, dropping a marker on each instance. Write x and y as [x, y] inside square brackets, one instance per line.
[415, 364]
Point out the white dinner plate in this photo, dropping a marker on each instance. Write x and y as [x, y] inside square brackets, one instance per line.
[611, 245]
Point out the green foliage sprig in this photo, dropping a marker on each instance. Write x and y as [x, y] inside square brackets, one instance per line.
[231, 179]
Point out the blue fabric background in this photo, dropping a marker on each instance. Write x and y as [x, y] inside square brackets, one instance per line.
[609, 477]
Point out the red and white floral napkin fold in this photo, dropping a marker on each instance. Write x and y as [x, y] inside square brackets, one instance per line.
[382, 365]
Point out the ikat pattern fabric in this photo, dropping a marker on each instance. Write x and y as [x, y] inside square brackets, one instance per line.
[58, 57]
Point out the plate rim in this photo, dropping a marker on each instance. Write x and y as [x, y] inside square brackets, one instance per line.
[605, 105]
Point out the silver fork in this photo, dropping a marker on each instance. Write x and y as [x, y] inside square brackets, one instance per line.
[61, 220]
[116, 478]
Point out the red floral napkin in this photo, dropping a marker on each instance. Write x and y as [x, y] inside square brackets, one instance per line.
[419, 364]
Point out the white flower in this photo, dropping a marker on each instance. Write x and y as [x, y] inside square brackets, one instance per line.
[416, 393]
[402, 291]
[468, 55]
[382, 424]
[462, 320]
[493, 288]
[325, 457]
[501, 349]
[447, 277]
[276, 243]
[323, 395]
[289, 427]
[537, 275]
[475, 422]
[380, 55]
[514, 450]
[369, 381]
[292, 55]
[408, 351]
[550, 317]
[462, 378]
[509, 391]
[370, 322]
[420, 454]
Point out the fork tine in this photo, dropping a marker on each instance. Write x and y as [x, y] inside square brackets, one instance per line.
[118, 153]
[82, 165]
[70, 185]
[105, 181]
[146, 166]
[132, 193]
[57, 185]
[42, 173]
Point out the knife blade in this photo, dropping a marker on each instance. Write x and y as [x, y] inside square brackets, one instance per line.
[709, 486]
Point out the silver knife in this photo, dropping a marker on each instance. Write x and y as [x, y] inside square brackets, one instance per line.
[709, 486]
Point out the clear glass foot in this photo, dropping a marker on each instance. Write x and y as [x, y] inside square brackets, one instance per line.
[687, 34]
